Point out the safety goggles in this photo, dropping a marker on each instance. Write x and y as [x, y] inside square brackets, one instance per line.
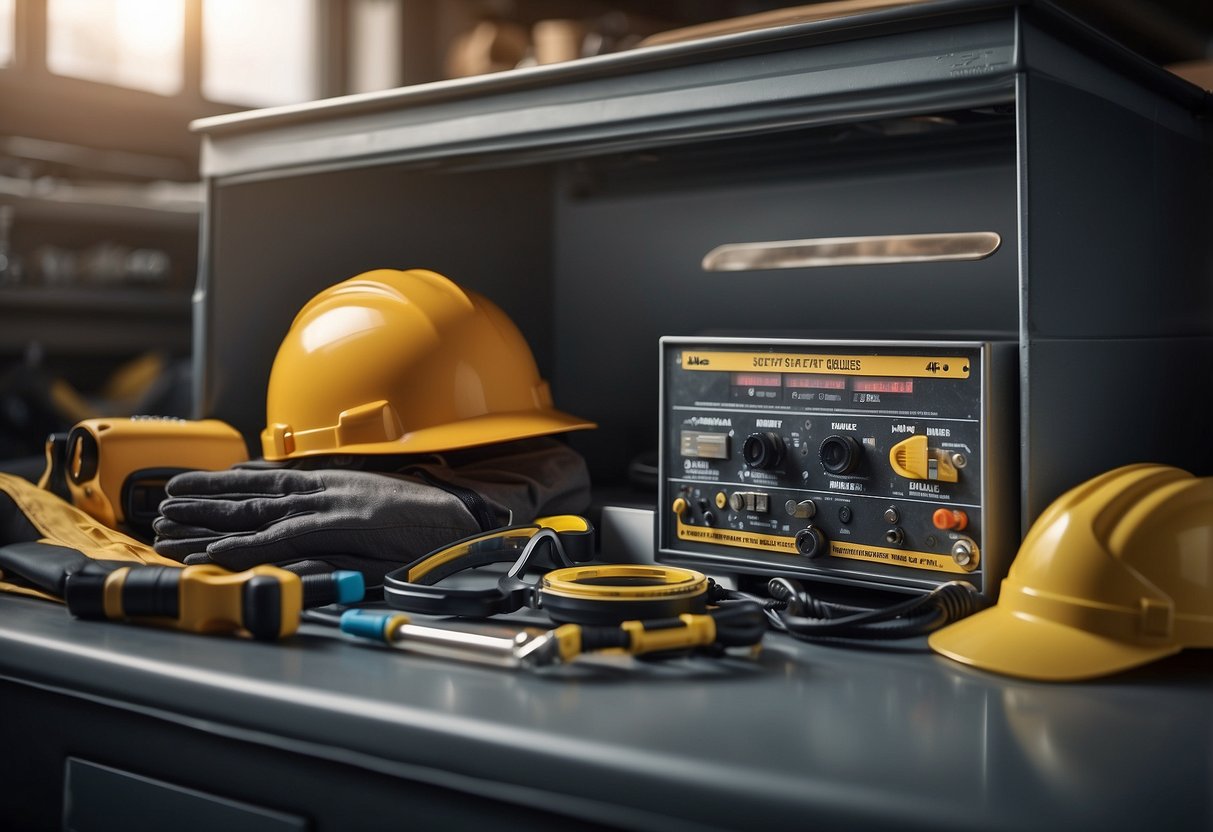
[547, 544]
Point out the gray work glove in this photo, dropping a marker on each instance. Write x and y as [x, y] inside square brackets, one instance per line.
[370, 522]
[315, 520]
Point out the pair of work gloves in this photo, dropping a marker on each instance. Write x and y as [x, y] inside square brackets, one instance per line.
[370, 514]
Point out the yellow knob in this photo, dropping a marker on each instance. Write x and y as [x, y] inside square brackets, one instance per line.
[912, 459]
[909, 458]
[680, 506]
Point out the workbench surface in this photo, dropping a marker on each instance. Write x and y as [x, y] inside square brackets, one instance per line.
[826, 736]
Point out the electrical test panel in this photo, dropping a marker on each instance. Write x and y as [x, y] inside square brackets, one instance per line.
[889, 464]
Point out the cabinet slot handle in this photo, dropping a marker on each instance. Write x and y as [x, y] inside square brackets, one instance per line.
[851, 251]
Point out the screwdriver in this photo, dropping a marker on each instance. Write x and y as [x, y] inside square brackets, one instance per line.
[264, 602]
[524, 647]
[496, 645]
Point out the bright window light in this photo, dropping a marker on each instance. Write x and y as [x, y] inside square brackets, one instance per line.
[6, 31]
[259, 53]
[130, 43]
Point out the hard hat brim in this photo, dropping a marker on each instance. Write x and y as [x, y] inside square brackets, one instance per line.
[488, 429]
[1030, 647]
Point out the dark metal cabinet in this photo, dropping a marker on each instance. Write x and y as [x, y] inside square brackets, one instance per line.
[583, 197]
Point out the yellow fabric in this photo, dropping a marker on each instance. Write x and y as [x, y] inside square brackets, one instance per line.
[62, 524]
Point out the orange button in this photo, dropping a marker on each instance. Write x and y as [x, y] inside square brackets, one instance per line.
[950, 518]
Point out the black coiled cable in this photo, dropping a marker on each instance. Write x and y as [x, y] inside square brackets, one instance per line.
[791, 609]
[739, 624]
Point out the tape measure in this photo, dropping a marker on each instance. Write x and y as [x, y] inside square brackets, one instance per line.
[612, 593]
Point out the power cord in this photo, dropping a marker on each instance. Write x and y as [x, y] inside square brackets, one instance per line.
[792, 610]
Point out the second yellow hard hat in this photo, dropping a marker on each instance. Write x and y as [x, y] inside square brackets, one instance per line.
[1117, 572]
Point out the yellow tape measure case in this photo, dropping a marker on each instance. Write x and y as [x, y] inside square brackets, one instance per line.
[116, 469]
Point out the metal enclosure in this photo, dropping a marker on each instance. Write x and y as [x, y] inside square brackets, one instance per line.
[582, 197]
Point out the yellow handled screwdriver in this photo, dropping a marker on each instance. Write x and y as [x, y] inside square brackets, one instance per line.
[742, 624]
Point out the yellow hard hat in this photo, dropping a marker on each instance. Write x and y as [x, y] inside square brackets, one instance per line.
[1116, 573]
[393, 362]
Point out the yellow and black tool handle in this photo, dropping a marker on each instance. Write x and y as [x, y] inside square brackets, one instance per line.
[264, 601]
[740, 624]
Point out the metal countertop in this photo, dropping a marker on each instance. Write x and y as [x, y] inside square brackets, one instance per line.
[859, 737]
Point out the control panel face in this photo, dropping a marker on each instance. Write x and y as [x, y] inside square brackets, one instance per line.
[862, 463]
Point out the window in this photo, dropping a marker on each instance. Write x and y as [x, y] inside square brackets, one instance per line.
[7, 8]
[260, 53]
[137, 44]
[253, 53]
[131, 74]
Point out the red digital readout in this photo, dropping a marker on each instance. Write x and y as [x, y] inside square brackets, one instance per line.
[756, 379]
[812, 382]
[883, 385]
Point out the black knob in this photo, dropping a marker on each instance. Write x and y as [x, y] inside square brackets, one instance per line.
[763, 450]
[840, 454]
[811, 542]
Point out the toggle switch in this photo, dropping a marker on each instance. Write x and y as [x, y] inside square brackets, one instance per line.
[802, 509]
